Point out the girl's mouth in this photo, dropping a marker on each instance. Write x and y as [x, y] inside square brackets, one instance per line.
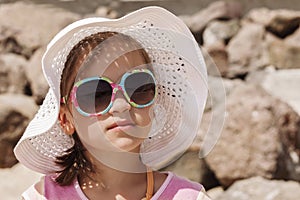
[120, 125]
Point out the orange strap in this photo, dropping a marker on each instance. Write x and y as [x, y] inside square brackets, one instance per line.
[150, 184]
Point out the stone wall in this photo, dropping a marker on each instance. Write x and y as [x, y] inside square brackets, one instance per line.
[257, 58]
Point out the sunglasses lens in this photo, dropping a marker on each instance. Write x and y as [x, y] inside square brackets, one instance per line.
[94, 96]
[140, 87]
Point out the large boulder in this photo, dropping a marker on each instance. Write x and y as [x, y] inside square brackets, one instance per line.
[16, 111]
[251, 141]
[190, 166]
[282, 84]
[247, 50]
[215, 114]
[220, 31]
[8, 43]
[284, 53]
[259, 188]
[215, 38]
[38, 84]
[216, 10]
[31, 25]
[12, 73]
[280, 22]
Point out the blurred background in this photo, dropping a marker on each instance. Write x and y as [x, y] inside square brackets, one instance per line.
[252, 52]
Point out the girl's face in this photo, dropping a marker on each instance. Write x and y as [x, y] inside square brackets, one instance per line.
[123, 127]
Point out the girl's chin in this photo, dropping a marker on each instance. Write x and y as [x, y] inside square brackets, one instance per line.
[127, 144]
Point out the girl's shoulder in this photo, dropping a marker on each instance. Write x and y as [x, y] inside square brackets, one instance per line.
[35, 191]
[179, 188]
[47, 188]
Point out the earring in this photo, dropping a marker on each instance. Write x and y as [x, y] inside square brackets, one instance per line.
[68, 128]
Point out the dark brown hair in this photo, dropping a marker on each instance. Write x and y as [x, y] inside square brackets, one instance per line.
[74, 161]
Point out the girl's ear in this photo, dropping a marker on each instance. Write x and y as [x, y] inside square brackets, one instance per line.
[66, 120]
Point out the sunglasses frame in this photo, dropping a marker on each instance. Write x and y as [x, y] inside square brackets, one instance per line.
[115, 88]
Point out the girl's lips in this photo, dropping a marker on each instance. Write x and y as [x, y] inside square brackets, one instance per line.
[120, 125]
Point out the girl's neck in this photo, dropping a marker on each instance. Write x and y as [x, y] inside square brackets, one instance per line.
[113, 173]
[120, 161]
[105, 180]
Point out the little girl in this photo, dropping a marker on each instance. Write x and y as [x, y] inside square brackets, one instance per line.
[126, 98]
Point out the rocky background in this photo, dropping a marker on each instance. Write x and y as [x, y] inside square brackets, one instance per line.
[258, 57]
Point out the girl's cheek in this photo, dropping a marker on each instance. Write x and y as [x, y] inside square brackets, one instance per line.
[143, 116]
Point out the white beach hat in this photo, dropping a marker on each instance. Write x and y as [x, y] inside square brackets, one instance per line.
[178, 67]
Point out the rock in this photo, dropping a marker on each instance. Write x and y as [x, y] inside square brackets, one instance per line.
[250, 142]
[12, 73]
[216, 59]
[220, 31]
[38, 83]
[104, 11]
[280, 22]
[15, 113]
[216, 10]
[282, 84]
[215, 114]
[33, 25]
[219, 88]
[284, 54]
[214, 193]
[8, 43]
[260, 188]
[259, 15]
[16, 180]
[288, 123]
[257, 77]
[190, 166]
[247, 50]
[293, 38]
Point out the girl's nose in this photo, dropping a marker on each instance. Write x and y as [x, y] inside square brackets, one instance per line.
[120, 104]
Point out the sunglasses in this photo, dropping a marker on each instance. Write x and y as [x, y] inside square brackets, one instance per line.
[94, 96]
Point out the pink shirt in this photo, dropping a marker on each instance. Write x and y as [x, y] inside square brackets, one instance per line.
[173, 188]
